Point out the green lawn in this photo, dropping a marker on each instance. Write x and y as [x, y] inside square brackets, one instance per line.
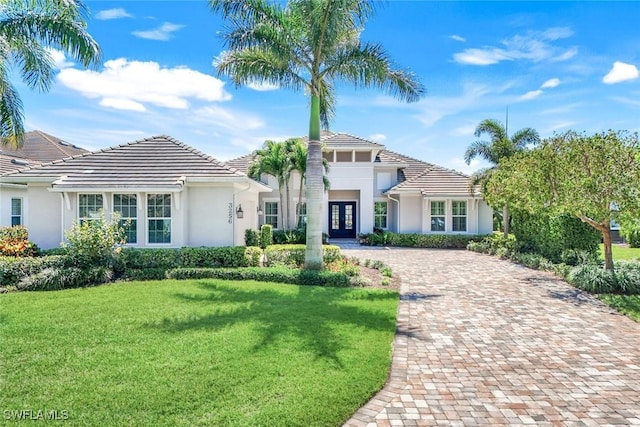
[199, 352]
[622, 252]
[627, 304]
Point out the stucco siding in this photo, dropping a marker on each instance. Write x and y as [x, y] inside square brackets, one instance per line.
[410, 214]
[44, 216]
[210, 213]
[6, 194]
[485, 218]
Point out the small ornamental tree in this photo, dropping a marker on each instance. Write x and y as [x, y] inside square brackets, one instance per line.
[595, 178]
[95, 242]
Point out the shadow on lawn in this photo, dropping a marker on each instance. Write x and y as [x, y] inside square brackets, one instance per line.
[308, 313]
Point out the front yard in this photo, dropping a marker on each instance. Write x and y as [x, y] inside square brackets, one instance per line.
[196, 352]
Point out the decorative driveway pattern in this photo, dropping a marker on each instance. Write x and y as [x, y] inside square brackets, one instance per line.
[482, 341]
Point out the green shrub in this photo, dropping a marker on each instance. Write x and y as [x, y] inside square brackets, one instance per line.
[143, 258]
[535, 261]
[550, 235]
[439, 241]
[630, 231]
[593, 278]
[141, 274]
[275, 274]
[293, 255]
[266, 236]
[51, 279]
[253, 255]
[167, 258]
[13, 270]
[251, 237]
[94, 243]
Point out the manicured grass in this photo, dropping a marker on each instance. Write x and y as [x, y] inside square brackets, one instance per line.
[197, 352]
[621, 253]
[627, 304]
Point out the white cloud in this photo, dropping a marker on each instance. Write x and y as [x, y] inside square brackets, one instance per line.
[433, 109]
[59, 59]
[129, 85]
[532, 94]
[621, 72]
[533, 46]
[625, 100]
[551, 83]
[122, 104]
[262, 86]
[117, 13]
[225, 118]
[163, 33]
[378, 137]
[465, 130]
[458, 38]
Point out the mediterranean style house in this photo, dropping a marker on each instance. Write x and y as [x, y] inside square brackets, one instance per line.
[174, 195]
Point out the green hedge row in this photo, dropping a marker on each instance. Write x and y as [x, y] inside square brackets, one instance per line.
[293, 255]
[14, 269]
[415, 240]
[275, 274]
[166, 258]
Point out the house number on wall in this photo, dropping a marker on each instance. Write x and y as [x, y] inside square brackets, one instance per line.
[230, 213]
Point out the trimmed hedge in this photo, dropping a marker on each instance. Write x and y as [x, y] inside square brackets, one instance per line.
[293, 255]
[592, 278]
[51, 279]
[13, 270]
[166, 258]
[416, 240]
[276, 274]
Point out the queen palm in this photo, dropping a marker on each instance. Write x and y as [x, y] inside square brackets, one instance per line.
[298, 162]
[273, 159]
[308, 45]
[28, 29]
[499, 146]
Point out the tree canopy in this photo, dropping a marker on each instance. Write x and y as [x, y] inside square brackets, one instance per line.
[593, 177]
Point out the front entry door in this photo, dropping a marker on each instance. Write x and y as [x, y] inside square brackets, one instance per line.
[342, 219]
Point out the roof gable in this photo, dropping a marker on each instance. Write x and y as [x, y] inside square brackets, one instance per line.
[158, 161]
[41, 147]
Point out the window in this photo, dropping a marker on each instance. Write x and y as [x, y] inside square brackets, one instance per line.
[344, 156]
[363, 156]
[159, 217]
[271, 213]
[89, 207]
[380, 215]
[459, 216]
[384, 180]
[437, 216]
[302, 214]
[16, 212]
[126, 206]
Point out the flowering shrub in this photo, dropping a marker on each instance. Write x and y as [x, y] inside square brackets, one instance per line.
[14, 241]
[94, 243]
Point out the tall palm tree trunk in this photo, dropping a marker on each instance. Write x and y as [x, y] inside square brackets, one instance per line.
[314, 190]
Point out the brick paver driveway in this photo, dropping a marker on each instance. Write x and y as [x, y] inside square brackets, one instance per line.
[481, 341]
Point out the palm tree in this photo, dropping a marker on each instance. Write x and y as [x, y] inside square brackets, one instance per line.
[298, 162]
[499, 146]
[273, 159]
[309, 45]
[27, 30]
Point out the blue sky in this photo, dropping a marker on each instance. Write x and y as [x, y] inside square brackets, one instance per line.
[556, 65]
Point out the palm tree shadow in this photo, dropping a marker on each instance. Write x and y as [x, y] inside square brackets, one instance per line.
[309, 314]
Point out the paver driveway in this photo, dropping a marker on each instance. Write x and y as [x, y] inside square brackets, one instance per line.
[481, 341]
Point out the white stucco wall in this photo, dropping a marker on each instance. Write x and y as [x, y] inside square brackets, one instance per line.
[485, 218]
[411, 213]
[44, 216]
[210, 216]
[6, 194]
[355, 177]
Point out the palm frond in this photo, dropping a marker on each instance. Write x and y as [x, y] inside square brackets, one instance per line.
[480, 149]
[11, 116]
[493, 128]
[369, 65]
[524, 137]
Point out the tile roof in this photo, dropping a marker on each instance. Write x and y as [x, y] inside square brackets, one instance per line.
[437, 181]
[242, 163]
[12, 163]
[158, 161]
[337, 140]
[42, 147]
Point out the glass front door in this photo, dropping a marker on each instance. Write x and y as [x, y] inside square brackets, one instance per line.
[342, 219]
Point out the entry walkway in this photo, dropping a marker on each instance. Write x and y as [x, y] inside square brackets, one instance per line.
[481, 341]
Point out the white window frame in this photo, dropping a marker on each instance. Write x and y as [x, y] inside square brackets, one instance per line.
[92, 215]
[377, 215]
[302, 217]
[443, 215]
[20, 216]
[125, 218]
[270, 215]
[157, 218]
[465, 216]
